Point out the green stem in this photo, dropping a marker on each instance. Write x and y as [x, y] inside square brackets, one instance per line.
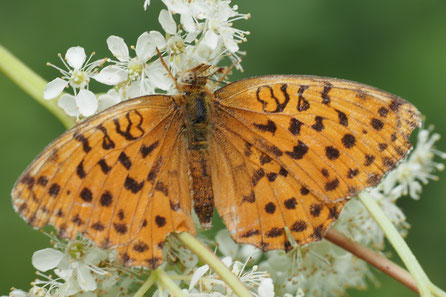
[214, 262]
[146, 285]
[167, 282]
[31, 83]
[398, 243]
[436, 290]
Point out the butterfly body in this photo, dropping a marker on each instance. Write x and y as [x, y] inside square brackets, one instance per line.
[271, 152]
[196, 112]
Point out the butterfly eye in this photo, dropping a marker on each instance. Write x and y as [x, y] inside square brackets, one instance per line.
[188, 78]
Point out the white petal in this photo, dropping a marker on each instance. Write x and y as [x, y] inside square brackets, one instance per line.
[111, 75]
[191, 36]
[76, 57]
[86, 102]
[54, 88]
[266, 288]
[70, 288]
[188, 23]
[211, 39]
[197, 275]
[46, 259]
[146, 4]
[95, 255]
[144, 47]
[167, 22]
[249, 251]
[105, 101]
[17, 293]
[85, 278]
[230, 44]
[158, 76]
[226, 245]
[64, 273]
[227, 261]
[134, 90]
[64, 264]
[68, 103]
[176, 6]
[157, 39]
[118, 47]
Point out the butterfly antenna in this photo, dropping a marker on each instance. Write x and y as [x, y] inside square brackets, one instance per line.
[228, 70]
[168, 70]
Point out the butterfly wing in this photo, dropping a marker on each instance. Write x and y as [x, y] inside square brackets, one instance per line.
[287, 151]
[119, 178]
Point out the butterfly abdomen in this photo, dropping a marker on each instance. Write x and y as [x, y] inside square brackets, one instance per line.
[196, 110]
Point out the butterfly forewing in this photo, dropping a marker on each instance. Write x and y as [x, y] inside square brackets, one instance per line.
[316, 140]
[106, 179]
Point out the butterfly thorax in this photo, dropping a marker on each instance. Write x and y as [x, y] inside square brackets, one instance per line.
[196, 100]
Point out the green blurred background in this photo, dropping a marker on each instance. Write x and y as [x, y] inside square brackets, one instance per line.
[398, 46]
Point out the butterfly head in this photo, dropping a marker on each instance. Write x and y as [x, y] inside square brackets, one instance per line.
[198, 76]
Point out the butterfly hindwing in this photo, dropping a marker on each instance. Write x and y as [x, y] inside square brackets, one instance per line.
[256, 198]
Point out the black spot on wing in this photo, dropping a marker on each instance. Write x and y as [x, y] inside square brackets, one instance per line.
[348, 140]
[104, 166]
[146, 150]
[325, 97]
[270, 126]
[86, 195]
[80, 170]
[343, 120]
[82, 139]
[107, 143]
[318, 125]
[331, 153]
[295, 126]
[302, 103]
[125, 160]
[298, 151]
[132, 185]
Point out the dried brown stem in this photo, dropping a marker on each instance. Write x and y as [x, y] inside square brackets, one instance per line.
[373, 258]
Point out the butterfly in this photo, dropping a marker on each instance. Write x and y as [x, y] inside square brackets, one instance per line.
[270, 153]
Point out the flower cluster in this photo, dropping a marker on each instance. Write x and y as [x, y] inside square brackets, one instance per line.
[202, 34]
[80, 268]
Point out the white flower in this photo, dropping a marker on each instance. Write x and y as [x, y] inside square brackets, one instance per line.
[137, 75]
[77, 268]
[228, 247]
[408, 177]
[77, 74]
[17, 293]
[109, 99]
[83, 104]
[266, 288]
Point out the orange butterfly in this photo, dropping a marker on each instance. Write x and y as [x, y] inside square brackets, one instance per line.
[271, 152]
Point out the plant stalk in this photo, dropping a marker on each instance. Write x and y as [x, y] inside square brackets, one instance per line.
[398, 243]
[146, 285]
[168, 283]
[214, 262]
[373, 258]
[31, 83]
